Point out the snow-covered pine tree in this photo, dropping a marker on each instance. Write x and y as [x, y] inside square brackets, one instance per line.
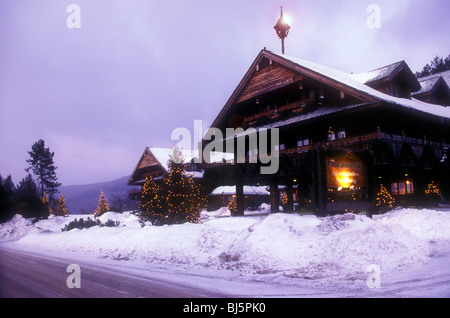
[61, 208]
[183, 199]
[150, 207]
[102, 206]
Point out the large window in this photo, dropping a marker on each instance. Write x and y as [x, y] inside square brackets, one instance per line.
[402, 187]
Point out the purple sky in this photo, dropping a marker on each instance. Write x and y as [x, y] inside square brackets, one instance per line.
[136, 70]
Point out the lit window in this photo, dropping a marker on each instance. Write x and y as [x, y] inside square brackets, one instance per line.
[394, 188]
[304, 142]
[409, 187]
[341, 134]
[279, 147]
[401, 188]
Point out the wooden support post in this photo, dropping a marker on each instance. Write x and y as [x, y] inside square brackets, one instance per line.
[290, 197]
[239, 198]
[321, 209]
[274, 197]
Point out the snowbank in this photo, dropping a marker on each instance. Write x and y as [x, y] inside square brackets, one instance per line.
[425, 224]
[16, 228]
[284, 244]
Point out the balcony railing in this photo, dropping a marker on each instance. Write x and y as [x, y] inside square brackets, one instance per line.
[346, 142]
[294, 107]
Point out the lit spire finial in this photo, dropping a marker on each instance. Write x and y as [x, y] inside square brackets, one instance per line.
[282, 29]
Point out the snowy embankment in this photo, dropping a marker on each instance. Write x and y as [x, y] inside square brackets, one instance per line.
[285, 244]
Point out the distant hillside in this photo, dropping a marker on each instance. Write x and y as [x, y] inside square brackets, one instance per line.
[83, 199]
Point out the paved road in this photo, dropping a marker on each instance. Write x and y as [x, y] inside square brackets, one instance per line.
[24, 274]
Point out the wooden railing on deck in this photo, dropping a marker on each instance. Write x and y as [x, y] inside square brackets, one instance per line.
[294, 107]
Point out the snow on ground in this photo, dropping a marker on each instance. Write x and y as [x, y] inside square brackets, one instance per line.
[264, 245]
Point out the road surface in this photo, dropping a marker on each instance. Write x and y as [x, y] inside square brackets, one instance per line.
[28, 273]
[24, 274]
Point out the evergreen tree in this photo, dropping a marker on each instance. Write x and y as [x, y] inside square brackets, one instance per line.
[183, 199]
[7, 193]
[61, 208]
[42, 165]
[437, 65]
[102, 206]
[384, 200]
[447, 62]
[28, 200]
[232, 205]
[150, 207]
[46, 203]
[432, 193]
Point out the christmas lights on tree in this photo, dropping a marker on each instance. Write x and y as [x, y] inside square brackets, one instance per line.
[61, 208]
[384, 198]
[183, 199]
[46, 203]
[432, 194]
[284, 198]
[102, 206]
[232, 205]
[150, 207]
[432, 190]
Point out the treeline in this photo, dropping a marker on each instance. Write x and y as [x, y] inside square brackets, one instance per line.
[437, 65]
[22, 199]
[28, 198]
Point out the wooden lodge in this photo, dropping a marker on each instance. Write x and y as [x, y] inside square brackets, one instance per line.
[341, 135]
[153, 163]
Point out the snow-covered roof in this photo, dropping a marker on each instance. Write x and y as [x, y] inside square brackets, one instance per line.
[163, 155]
[446, 76]
[429, 82]
[248, 190]
[357, 82]
[377, 74]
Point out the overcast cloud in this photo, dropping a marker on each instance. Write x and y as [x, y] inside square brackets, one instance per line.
[136, 70]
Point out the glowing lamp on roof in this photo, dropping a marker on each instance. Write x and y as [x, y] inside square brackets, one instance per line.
[282, 29]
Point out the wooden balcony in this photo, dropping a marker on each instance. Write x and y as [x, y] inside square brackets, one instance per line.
[294, 107]
[354, 139]
[359, 141]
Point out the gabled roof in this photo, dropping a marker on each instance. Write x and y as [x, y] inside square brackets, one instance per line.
[352, 84]
[431, 83]
[388, 73]
[307, 68]
[159, 158]
[446, 76]
[163, 155]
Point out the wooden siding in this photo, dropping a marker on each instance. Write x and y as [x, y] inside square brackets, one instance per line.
[267, 79]
[148, 161]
